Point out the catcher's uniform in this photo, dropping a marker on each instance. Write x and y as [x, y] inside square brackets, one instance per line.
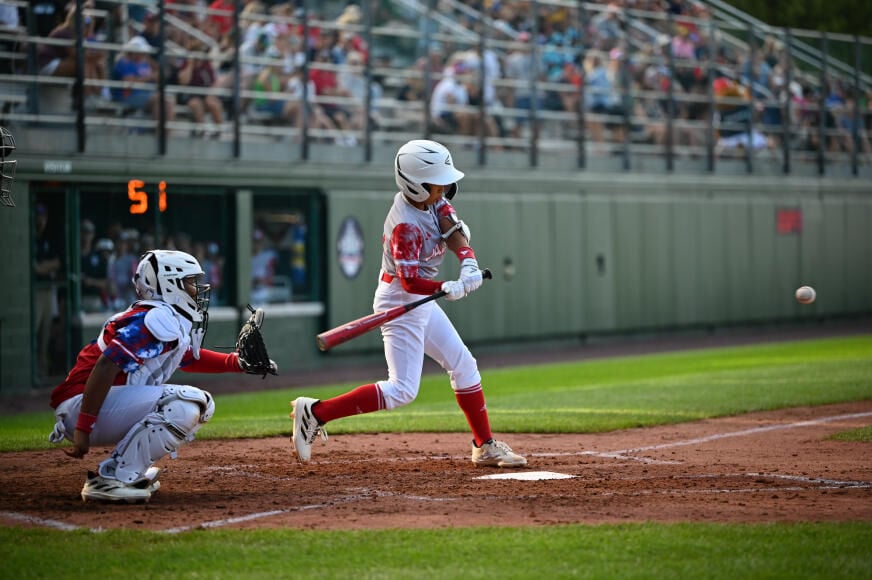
[149, 341]
[412, 247]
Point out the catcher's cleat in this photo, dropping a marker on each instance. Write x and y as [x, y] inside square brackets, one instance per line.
[496, 454]
[306, 428]
[102, 488]
[151, 474]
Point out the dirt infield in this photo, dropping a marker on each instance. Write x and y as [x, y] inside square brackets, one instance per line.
[777, 466]
[763, 467]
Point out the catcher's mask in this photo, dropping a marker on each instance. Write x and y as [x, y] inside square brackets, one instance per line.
[178, 279]
[7, 167]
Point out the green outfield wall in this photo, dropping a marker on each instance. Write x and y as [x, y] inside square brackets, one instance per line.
[574, 254]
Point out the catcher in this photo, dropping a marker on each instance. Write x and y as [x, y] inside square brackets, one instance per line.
[117, 392]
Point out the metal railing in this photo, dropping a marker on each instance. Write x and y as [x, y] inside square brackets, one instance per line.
[547, 109]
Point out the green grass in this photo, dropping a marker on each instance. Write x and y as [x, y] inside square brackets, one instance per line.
[862, 434]
[580, 397]
[624, 551]
[587, 396]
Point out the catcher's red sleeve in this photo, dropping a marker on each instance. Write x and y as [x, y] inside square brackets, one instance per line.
[211, 362]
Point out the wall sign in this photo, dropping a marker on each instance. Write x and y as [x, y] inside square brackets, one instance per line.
[349, 247]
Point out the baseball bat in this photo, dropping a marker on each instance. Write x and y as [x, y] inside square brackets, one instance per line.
[345, 332]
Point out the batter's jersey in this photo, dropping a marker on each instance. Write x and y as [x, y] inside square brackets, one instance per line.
[412, 244]
[148, 342]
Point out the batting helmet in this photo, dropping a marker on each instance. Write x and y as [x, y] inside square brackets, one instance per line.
[421, 161]
[7, 167]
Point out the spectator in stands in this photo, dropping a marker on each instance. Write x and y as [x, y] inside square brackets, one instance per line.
[13, 44]
[251, 53]
[845, 123]
[198, 72]
[9, 15]
[318, 119]
[135, 65]
[607, 27]
[213, 266]
[351, 40]
[271, 80]
[488, 61]
[684, 52]
[151, 29]
[46, 272]
[60, 60]
[122, 268]
[602, 97]
[756, 74]
[520, 69]
[327, 85]
[452, 91]
[94, 269]
[252, 20]
[734, 117]
[352, 81]
[263, 267]
[222, 22]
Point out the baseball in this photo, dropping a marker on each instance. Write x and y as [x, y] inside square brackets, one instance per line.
[805, 294]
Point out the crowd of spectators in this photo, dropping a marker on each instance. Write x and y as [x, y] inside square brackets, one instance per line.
[108, 261]
[620, 56]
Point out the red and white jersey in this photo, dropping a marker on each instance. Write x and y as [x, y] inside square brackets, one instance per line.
[412, 244]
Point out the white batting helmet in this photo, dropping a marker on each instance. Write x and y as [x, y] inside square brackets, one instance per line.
[422, 161]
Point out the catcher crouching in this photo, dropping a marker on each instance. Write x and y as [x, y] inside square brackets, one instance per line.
[117, 392]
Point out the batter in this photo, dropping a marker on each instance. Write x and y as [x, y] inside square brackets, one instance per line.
[419, 229]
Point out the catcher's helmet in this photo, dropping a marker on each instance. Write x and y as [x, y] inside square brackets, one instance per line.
[161, 275]
[422, 161]
[7, 167]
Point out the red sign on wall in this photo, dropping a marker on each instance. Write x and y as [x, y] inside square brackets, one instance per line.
[788, 221]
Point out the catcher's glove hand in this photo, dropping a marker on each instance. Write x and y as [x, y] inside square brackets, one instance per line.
[253, 358]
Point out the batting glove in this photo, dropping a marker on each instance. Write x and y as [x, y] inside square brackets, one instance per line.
[454, 289]
[470, 275]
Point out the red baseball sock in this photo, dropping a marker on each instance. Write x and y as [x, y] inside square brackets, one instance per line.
[471, 401]
[363, 399]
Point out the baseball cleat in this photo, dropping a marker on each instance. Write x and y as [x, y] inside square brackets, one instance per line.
[496, 454]
[306, 428]
[102, 488]
[151, 474]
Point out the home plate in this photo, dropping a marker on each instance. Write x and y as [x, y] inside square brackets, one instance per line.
[527, 475]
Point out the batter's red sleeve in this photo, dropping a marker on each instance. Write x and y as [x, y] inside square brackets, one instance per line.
[420, 285]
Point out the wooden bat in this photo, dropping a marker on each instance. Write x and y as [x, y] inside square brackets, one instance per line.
[345, 332]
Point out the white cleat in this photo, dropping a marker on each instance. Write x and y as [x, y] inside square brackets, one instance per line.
[101, 488]
[496, 454]
[151, 474]
[306, 428]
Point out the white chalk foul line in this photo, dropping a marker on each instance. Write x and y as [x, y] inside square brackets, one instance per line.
[261, 515]
[54, 524]
[826, 483]
[627, 453]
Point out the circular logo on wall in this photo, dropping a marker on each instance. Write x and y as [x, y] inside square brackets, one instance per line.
[349, 247]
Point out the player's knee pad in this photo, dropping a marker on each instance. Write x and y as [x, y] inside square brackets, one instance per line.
[179, 414]
[397, 394]
[186, 393]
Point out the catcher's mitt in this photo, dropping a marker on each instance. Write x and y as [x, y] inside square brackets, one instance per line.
[253, 357]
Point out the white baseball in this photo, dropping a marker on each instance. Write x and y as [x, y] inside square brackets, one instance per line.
[805, 294]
